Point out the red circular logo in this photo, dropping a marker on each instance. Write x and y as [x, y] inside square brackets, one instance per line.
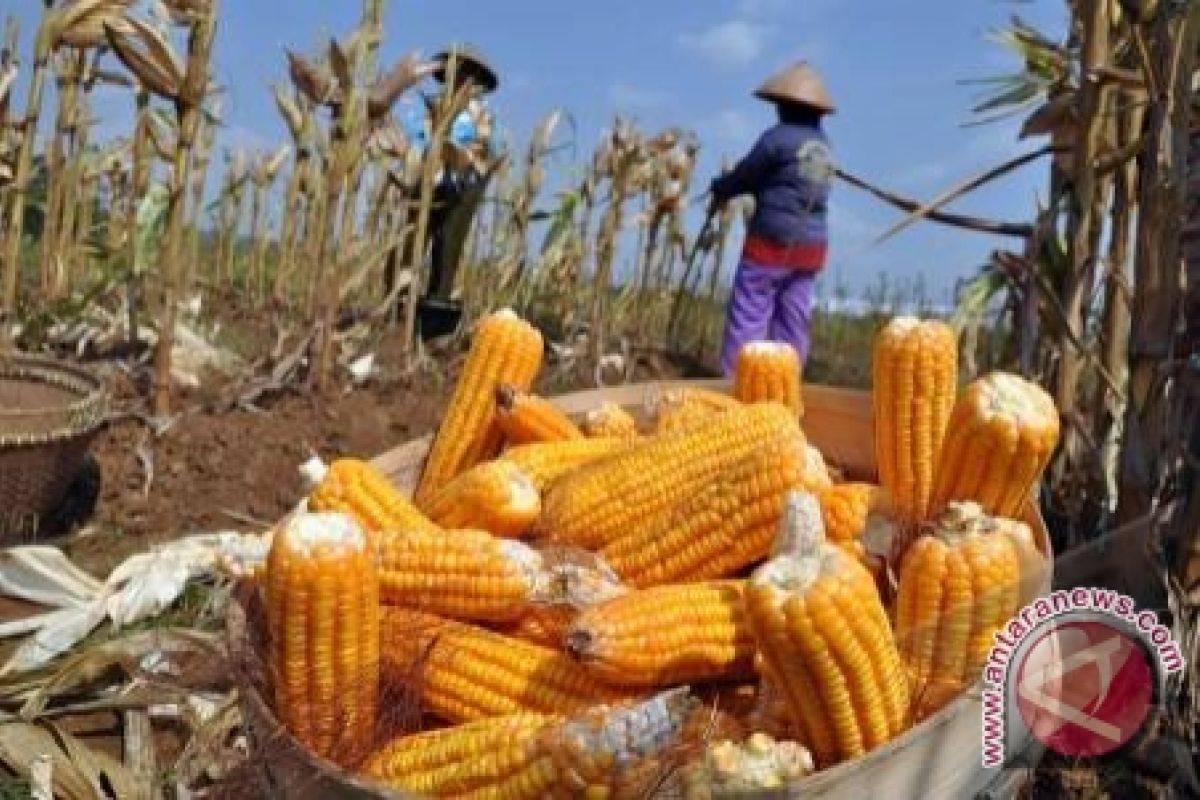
[1084, 688]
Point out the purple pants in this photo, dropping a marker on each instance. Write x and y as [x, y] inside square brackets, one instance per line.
[768, 304]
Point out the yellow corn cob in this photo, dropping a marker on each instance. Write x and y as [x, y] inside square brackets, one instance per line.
[568, 589]
[749, 769]
[845, 508]
[688, 506]
[547, 462]
[460, 574]
[666, 635]
[609, 420]
[464, 672]
[678, 409]
[356, 487]
[604, 752]
[496, 496]
[826, 642]
[527, 418]
[322, 599]
[496, 757]
[958, 585]
[617, 752]
[915, 378]
[506, 349]
[768, 371]
[1002, 433]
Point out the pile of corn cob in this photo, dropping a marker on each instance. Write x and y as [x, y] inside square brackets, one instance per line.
[560, 593]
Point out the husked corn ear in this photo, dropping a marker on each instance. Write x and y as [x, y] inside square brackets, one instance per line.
[358, 488]
[460, 574]
[496, 496]
[958, 585]
[527, 418]
[666, 635]
[915, 378]
[494, 757]
[547, 462]
[609, 420]
[464, 672]
[845, 508]
[749, 768]
[679, 409]
[697, 504]
[567, 589]
[616, 752]
[505, 349]
[826, 643]
[1002, 433]
[322, 600]
[768, 371]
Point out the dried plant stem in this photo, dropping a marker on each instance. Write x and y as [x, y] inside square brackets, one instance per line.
[293, 210]
[255, 279]
[69, 81]
[139, 182]
[19, 189]
[188, 111]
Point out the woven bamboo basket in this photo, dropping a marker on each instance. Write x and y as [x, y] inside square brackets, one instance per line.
[49, 414]
[938, 758]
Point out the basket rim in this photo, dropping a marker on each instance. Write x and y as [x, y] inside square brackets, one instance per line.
[76, 419]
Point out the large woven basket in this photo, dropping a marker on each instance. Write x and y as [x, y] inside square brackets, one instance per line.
[939, 757]
[49, 414]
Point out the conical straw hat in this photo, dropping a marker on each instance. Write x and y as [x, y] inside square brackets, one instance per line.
[468, 56]
[799, 83]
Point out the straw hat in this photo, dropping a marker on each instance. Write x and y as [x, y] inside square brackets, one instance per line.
[471, 58]
[798, 83]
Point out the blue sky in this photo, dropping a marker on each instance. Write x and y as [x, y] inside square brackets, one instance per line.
[894, 68]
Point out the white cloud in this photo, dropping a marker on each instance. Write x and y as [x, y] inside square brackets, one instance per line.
[734, 43]
[627, 96]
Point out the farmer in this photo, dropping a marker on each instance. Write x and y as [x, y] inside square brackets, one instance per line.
[460, 185]
[789, 172]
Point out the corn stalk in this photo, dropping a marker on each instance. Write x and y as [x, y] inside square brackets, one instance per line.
[18, 192]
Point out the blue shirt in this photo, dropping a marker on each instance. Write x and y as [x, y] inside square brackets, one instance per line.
[416, 125]
[789, 171]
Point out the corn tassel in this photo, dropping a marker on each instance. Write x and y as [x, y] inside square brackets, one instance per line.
[494, 757]
[666, 635]
[527, 418]
[609, 420]
[506, 349]
[547, 462]
[356, 487]
[768, 371]
[915, 378]
[688, 506]
[1002, 433]
[826, 642]
[958, 585]
[460, 574]
[322, 599]
[496, 496]
[464, 672]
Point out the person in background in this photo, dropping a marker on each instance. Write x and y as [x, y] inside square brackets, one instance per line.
[461, 183]
[789, 172]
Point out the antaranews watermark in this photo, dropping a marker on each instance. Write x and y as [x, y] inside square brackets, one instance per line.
[1079, 670]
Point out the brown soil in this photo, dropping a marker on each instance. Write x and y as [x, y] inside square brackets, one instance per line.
[225, 471]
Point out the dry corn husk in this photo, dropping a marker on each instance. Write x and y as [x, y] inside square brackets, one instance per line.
[289, 109]
[149, 56]
[315, 84]
[81, 24]
[406, 74]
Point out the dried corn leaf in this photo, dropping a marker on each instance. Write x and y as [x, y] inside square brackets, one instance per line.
[40, 574]
[148, 56]
[81, 24]
[153, 651]
[340, 64]
[79, 773]
[58, 633]
[289, 109]
[316, 84]
[8, 76]
[406, 74]
[271, 165]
